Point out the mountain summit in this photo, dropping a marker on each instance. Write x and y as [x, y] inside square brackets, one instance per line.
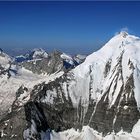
[103, 90]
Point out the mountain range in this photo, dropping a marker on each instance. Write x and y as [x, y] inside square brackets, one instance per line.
[58, 97]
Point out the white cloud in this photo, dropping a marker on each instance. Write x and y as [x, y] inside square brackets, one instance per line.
[124, 29]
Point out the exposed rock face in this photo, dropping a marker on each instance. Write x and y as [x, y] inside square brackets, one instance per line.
[50, 65]
[54, 62]
[13, 125]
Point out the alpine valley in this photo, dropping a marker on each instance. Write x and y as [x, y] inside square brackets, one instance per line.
[53, 96]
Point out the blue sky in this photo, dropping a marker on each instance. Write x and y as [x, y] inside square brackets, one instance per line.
[72, 27]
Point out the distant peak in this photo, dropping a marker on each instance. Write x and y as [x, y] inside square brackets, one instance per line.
[38, 49]
[1, 50]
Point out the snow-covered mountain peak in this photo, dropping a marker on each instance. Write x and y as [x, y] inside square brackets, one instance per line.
[117, 44]
[118, 58]
[39, 53]
[34, 54]
[123, 38]
[4, 59]
[124, 34]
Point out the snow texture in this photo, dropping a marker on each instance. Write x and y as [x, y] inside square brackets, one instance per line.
[88, 133]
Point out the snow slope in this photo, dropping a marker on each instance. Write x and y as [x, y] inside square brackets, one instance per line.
[22, 77]
[39, 53]
[79, 58]
[67, 58]
[94, 67]
[88, 133]
[4, 60]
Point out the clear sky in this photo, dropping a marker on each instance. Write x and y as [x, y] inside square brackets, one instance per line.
[72, 27]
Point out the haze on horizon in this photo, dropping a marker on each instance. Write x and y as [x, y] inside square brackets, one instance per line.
[72, 27]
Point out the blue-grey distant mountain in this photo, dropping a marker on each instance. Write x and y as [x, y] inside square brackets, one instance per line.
[34, 54]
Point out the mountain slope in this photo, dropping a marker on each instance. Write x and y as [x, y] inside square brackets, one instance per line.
[39, 61]
[102, 92]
